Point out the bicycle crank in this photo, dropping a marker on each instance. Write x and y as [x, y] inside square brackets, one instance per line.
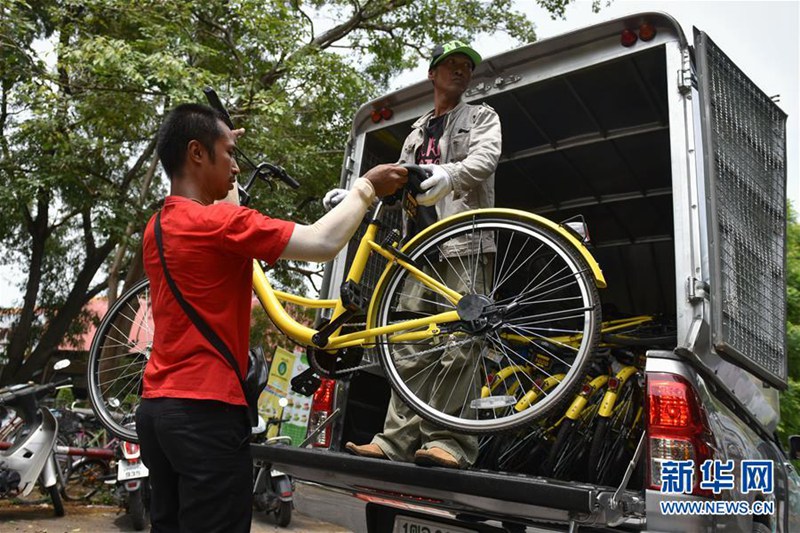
[339, 365]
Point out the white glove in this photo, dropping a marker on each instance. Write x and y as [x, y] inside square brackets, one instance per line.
[435, 187]
[333, 197]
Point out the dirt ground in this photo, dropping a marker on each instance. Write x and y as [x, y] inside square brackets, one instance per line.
[35, 518]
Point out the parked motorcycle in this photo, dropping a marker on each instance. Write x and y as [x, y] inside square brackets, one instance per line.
[272, 490]
[27, 449]
[132, 484]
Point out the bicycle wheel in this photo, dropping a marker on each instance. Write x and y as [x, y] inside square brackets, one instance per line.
[568, 454]
[654, 333]
[616, 436]
[85, 479]
[527, 295]
[119, 352]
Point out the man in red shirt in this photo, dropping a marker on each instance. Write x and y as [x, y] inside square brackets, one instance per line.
[192, 421]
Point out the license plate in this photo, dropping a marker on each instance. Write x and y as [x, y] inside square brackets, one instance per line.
[127, 471]
[408, 524]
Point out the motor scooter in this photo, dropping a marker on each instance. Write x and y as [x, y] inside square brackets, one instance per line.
[27, 453]
[272, 490]
[132, 487]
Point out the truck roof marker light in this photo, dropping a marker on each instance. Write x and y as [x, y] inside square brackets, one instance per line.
[628, 38]
[384, 113]
[647, 32]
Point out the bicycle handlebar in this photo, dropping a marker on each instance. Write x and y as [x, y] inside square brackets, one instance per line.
[26, 389]
[271, 170]
[416, 175]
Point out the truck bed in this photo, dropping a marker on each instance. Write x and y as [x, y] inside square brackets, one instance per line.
[480, 494]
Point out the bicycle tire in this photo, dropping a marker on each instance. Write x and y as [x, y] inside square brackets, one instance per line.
[607, 453]
[117, 358]
[657, 333]
[566, 455]
[536, 276]
[85, 479]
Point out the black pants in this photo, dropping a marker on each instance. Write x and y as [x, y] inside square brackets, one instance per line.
[201, 470]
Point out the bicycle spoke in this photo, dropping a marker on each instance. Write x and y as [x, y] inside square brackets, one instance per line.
[537, 299]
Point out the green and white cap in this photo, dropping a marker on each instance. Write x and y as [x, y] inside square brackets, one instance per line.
[454, 47]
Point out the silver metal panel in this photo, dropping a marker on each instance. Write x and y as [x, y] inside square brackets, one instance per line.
[744, 146]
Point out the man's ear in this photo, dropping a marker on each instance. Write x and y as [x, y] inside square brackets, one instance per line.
[430, 73]
[195, 151]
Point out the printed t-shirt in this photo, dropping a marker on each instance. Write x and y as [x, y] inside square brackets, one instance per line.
[428, 153]
[209, 251]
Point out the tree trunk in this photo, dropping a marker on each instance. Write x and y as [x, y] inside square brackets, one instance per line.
[20, 338]
[57, 328]
[135, 267]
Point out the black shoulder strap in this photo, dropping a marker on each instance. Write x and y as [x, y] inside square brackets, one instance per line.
[190, 311]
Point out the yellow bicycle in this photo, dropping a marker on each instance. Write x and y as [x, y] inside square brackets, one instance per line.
[470, 294]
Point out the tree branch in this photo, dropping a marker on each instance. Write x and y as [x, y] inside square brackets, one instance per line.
[88, 237]
[134, 170]
[226, 38]
[296, 6]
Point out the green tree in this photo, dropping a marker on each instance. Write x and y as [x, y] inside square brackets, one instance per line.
[84, 86]
[790, 399]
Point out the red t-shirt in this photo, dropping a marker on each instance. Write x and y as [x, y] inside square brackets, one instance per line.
[209, 252]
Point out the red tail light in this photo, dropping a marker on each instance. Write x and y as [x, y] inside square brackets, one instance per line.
[677, 429]
[628, 38]
[321, 409]
[130, 451]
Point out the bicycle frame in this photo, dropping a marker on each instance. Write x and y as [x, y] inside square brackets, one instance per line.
[271, 299]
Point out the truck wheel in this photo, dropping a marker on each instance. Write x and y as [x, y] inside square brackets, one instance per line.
[759, 527]
[284, 514]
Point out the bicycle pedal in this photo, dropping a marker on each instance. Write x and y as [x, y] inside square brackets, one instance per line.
[306, 383]
[353, 298]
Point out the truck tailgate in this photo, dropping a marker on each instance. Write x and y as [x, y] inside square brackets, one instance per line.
[485, 493]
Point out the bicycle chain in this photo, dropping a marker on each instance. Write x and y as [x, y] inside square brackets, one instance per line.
[415, 354]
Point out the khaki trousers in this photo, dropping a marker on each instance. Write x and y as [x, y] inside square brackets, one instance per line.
[447, 380]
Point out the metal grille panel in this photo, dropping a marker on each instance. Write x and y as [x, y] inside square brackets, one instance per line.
[745, 150]
[376, 264]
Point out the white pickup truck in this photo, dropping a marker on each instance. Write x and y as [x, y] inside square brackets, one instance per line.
[677, 162]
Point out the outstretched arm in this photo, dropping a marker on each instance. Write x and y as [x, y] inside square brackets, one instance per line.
[323, 239]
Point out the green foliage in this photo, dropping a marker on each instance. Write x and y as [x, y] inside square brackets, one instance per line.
[790, 399]
[790, 419]
[65, 397]
[84, 87]
[793, 294]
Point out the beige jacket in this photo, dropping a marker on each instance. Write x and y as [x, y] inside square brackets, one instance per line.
[470, 148]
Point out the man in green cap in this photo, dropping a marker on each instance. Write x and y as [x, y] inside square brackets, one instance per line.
[459, 145]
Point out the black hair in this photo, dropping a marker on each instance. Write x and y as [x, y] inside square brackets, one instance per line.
[183, 124]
